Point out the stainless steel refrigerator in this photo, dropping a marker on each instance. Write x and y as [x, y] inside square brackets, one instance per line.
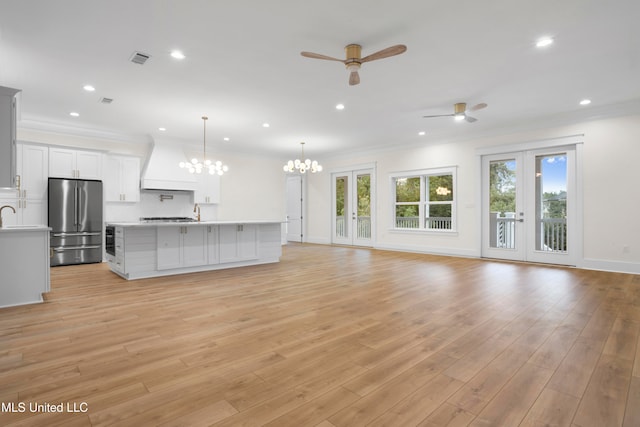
[75, 218]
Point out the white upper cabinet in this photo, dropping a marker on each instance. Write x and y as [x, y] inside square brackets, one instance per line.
[122, 179]
[68, 163]
[31, 183]
[208, 189]
[33, 171]
[8, 137]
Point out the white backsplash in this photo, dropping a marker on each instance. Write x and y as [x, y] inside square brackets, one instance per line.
[150, 206]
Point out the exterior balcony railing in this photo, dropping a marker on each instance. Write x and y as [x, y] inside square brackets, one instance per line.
[363, 227]
[432, 223]
[551, 232]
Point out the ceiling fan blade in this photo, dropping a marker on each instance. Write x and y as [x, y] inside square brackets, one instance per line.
[470, 119]
[318, 56]
[477, 107]
[354, 78]
[385, 53]
[438, 115]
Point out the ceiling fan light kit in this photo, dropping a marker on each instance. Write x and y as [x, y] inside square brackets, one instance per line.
[460, 111]
[354, 59]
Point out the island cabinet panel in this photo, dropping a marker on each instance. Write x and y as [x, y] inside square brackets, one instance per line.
[181, 246]
[135, 250]
[194, 246]
[213, 242]
[150, 250]
[238, 242]
[24, 265]
[270, 240]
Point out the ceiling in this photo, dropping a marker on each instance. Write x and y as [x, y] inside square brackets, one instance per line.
[243, 68]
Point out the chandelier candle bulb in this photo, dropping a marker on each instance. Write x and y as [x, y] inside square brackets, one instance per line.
[301, 166]
[196, 166]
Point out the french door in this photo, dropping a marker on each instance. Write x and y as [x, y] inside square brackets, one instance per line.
[352, 206]
[529, 206]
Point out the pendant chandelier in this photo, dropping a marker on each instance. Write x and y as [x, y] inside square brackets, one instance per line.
[301, 165]
[197, 166]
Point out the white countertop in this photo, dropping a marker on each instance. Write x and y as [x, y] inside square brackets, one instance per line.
[23, 228]
[190, 223]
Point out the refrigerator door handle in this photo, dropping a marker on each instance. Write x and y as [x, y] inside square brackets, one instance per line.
[75, 206]
[75, 234]
[80, 210]
[73, 248]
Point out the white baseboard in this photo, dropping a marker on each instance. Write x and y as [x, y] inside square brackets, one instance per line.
[430, 250]
[606, 265]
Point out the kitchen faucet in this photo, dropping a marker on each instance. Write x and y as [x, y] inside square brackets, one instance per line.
[196, 208]
[14, 211]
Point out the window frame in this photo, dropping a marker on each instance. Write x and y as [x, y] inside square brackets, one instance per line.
[424, 203]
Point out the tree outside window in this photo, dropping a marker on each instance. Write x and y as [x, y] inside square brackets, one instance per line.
[425, 201]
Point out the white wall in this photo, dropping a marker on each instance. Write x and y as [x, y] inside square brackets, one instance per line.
[611, 151]
[255, 189]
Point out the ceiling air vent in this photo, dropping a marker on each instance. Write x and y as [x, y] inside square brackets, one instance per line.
[106, 100]
[139, 58]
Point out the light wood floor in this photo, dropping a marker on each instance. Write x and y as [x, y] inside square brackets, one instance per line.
[330, 336]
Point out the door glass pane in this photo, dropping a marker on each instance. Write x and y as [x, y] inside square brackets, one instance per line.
[551, 203]
[341, 206]
[363, 190]
[502, 204]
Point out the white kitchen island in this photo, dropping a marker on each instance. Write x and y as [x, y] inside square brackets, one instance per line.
[24, 264]
[159, 249]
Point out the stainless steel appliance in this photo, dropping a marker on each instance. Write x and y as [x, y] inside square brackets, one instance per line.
[110, 240]
[75, 218]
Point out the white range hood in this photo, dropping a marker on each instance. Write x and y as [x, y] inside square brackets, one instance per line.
[161, 172]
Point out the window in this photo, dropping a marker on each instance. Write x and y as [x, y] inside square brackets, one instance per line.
[425, 200]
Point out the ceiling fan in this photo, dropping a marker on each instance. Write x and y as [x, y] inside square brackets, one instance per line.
[354, 58]
[460, 111]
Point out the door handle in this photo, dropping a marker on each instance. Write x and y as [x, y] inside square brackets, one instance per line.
[521, 220]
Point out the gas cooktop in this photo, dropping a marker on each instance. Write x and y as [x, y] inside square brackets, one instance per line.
[167, 219]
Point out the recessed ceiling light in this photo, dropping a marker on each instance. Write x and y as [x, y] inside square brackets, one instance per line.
[89, 88]
[74, 114]
[226, 138]
[544, 42]
[177, 54]
[265, 125]
[422, 133]
[585, 102]
[459, 117]
[162, 129]
[340, 107]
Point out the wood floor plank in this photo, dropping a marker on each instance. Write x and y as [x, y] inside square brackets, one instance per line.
[632, 410]
[316, 410]
[606, 396]
[552, 408]
[573, 374]
[391, 339]
[447, 415]
[511, 404]
[419, 405]
[380, 400]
